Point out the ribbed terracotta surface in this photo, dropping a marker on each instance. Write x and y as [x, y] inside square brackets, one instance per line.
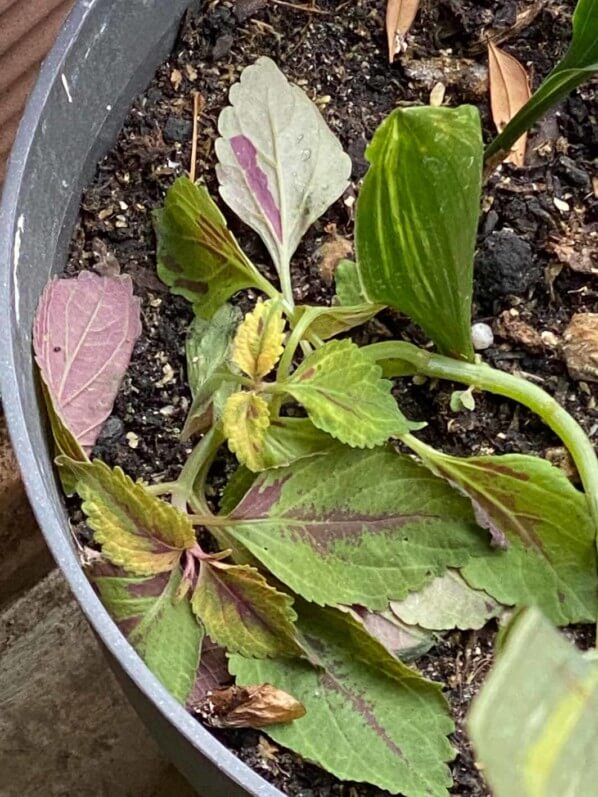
[27, 31]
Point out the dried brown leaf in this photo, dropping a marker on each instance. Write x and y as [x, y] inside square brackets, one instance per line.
[399, 18]
[511, 327]
[509, 91]
[249, 707]
[580, 347]
[334, 249]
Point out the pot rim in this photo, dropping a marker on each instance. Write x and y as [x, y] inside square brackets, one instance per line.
[33, 466]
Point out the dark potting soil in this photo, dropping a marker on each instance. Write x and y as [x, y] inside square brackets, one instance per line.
[336, 52]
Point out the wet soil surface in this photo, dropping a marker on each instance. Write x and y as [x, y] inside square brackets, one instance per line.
[522, 287]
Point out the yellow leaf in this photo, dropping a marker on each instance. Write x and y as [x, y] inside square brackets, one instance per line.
[258, 342]
[509, 91]
[399, 18]
[245, 420]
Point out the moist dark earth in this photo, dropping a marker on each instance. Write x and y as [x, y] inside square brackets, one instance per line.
[337, 52]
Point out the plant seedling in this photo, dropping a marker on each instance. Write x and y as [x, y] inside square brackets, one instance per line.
[330, 543]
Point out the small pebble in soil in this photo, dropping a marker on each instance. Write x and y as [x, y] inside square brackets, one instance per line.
[481, 336]
[112, 429]
[177, 129]
[504, 265]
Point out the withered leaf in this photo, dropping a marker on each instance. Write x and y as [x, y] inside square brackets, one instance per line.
[399, 18]
[249, 707]
[509, 91]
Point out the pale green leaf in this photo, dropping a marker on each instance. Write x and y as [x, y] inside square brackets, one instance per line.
[406, 642]
[279, 167]
[534, 723]
[245, 420]
[198, 257]
[344, 394]
[162, 629]
[207, 348]
[546, 555]
[578, 65]
[368, 716]
[349, 290]
[136, 530]
[355, 527]
[447, 602]
[258, 343]
[417, 219]
[243, 613]
[334, 320]
[290, 439]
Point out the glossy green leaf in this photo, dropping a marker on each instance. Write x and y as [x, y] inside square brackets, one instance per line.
[417, 218]
[447, 602]
[207, 348]
[344, 394]
[578, 65]
[136, 530]
[546, 555]
[198, 257]
[161, 628]
[534, 723]
[243, 613]
[280, 167]
[355, 527]
[368, 716]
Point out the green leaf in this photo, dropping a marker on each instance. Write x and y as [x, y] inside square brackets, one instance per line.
[258, 343]
[578, 65]
[245, 420]
[280, 167]
[236, 487]
[369, 717]
[243, 613]
[535, 722]
[547, 556]
[290, 439]
[417, 219]
[198, 257]
[349, 289]
[447, 602]
[136, 530]
[344, 394]
[406, 642]
[162, 629]
[208, 347]
[331, 321]
[355, 527]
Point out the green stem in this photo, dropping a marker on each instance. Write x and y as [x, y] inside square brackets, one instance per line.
[161, 488]
[200, 458]
[514, 387]
[287, 288]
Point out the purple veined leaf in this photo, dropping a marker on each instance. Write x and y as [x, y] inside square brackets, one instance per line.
[280, 167]
[212, 673]
[83, 337]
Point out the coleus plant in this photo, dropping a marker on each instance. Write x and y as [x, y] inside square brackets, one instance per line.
[334, 556]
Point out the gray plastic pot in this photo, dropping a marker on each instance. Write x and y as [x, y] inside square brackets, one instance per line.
[105, 55]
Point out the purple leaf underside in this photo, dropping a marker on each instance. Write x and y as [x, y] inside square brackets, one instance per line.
[83, 337]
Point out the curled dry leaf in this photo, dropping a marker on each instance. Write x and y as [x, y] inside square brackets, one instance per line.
[83, 337]
[580, 347]
[512, 328]
[249, 707]
[399, 18]
[509, 91]
[334, 249]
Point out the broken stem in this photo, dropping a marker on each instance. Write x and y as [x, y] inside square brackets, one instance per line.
[514, 387]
